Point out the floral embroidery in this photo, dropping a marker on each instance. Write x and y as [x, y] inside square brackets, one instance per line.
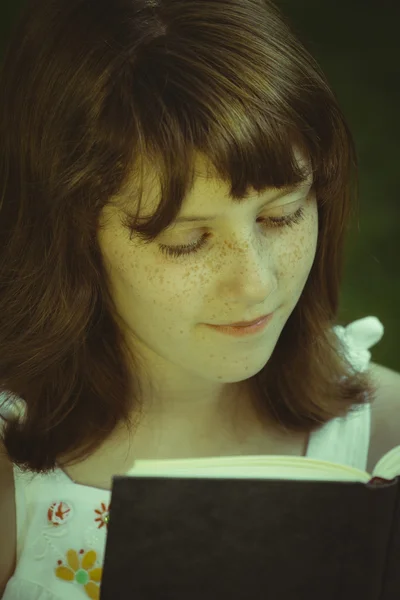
[81, 570]
[58, 513]
[104, 515]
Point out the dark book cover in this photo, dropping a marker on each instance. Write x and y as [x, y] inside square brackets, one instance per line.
[241, 539]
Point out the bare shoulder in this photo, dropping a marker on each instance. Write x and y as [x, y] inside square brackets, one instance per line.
[6, 470]
[8, 520]
[385, 413]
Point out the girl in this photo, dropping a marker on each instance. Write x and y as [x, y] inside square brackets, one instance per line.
[168, 168]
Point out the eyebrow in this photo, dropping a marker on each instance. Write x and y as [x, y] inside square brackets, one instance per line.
[283, 192]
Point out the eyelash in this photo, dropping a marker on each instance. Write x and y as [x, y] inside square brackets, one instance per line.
[178, 251]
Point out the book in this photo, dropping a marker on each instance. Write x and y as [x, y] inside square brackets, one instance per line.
[254, 527]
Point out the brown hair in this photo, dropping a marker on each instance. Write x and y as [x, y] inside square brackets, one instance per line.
[88, 92]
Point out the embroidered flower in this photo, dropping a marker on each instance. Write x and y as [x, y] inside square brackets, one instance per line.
[81, 570]
[104, 515]
[58, 513]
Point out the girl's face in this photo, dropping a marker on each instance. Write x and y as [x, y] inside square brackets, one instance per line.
[244, 267]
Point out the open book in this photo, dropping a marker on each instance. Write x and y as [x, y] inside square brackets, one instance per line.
[254, 528]
[268, 467]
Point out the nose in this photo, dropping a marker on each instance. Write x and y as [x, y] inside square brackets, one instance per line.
[250, 270]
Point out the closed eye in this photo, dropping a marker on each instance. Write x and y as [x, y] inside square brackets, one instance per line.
[271, 222]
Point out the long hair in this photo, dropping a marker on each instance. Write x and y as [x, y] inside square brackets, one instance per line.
[90, 92]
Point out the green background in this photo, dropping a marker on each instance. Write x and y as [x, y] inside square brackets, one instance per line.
[355, 43]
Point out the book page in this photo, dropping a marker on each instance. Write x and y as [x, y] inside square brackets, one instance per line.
[250, 467]
[388, 466]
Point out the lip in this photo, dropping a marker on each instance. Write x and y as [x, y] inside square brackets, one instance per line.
[244, 323]
[243, 331]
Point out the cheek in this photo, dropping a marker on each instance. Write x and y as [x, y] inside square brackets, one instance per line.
[295, 251]
[164, 291]
[300, 257]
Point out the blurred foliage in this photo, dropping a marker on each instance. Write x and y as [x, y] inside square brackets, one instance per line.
[357, 45]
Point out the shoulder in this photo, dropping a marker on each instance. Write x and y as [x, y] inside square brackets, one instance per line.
[385, 413]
